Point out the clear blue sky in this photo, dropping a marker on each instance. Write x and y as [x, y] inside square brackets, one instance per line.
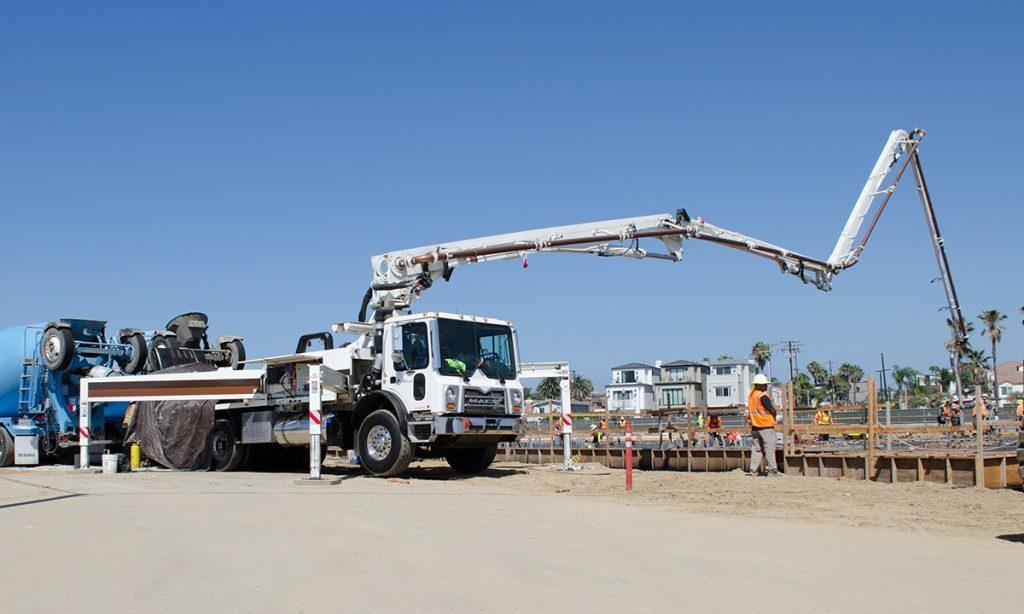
[247, 159]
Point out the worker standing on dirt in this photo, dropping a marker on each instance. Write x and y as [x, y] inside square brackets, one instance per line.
[714, 424]
[1020, 410]
[762, 428]
[823, 417]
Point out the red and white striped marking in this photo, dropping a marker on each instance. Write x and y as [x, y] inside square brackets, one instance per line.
[83, 432]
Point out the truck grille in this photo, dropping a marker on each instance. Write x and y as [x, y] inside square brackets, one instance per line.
[478, 402]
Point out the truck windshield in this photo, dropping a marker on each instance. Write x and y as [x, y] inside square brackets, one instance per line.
[468, 346]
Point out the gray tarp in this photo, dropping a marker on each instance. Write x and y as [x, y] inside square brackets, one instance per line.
[175, 434]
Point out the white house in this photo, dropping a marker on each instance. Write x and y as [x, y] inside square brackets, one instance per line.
[1010, 379]
[729, 382]
[632, 387]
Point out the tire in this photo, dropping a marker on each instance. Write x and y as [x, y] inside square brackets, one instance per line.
[226, 451]
[384, 450]
[6, 448]
[237, 353]
[471, 461]
[57, 348]
[136, 362]
[160, 341]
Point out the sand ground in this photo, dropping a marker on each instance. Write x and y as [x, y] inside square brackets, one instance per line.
[514, 539]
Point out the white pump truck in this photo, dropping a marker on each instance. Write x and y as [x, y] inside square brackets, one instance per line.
[435, 384]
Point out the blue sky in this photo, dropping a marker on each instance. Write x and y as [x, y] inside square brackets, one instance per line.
[247, 159]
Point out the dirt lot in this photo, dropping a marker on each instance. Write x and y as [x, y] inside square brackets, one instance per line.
[518, 537]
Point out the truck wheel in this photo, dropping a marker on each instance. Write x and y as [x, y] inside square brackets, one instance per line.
[57, 348]
[471, 461]
[158, 342]
[226, 452]
[6, 448]
[236, 351]
[137, 360]
[383, 449]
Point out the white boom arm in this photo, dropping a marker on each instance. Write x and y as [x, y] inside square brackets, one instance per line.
[399, 277]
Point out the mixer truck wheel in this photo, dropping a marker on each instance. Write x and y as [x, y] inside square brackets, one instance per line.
[236, 351]
[6, 448]
[57, 348]
[383, 449]
[226, 452]
[160, 341]
[137, 359]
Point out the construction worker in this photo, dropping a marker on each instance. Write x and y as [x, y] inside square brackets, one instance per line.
[823, 417]
[1020, 410]
[714, 424]
[945, 413]
[762, 428]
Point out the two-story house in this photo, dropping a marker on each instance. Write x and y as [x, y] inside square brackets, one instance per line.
[729, 382]
[632, 387]
[683, 383]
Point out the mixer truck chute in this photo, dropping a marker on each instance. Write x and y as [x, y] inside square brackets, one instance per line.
[437, 384]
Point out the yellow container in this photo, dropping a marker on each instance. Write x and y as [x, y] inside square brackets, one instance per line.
[136, 456]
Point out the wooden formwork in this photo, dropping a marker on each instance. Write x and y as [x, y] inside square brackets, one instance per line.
[1001, 470]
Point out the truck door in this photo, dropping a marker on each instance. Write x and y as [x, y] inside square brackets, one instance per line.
[409, 364]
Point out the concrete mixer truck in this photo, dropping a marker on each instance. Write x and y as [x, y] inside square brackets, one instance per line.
[41, 365]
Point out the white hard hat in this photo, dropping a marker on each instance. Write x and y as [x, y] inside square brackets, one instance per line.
[761, 380]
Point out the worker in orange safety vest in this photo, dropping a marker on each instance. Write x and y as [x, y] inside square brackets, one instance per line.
[762, 428]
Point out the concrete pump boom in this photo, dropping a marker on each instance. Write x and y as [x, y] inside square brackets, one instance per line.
[399, 277]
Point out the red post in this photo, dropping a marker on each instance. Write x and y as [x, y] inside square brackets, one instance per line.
[629, 457]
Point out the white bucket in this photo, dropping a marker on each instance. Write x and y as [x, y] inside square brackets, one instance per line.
[110, 462]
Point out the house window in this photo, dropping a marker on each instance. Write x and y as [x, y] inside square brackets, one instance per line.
[672, 397]
[723, 370]
[627, 377]
[622, 399]
[723, 391]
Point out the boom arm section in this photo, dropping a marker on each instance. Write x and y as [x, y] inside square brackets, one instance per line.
[399, 277]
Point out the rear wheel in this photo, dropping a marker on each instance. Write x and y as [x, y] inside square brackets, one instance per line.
[160, 342]
[236, 352]
[57, 348]
[6, 448]
[227, 453]
[384, 450]
[470, 461]
[137, 359]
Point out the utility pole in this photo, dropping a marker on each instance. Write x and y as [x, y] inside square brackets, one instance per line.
[790, 350]
[832, 384]
[885, 385]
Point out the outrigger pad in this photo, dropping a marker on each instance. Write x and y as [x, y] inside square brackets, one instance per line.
[175, 434]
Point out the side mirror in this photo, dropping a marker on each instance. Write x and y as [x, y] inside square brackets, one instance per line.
[398, 358]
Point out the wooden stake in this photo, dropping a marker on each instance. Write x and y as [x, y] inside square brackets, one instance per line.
[869, 456]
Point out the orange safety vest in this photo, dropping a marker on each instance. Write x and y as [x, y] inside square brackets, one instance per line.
[759, 416]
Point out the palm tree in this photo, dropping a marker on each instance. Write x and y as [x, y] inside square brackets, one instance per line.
[976, 360]
[580, 388]
[761, 352]
[548, 388]
[991, 319]
[852, 374]
[818, 372]
[906, 381]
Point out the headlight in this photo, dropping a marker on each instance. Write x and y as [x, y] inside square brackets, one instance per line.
[516, 397]
[449, 394]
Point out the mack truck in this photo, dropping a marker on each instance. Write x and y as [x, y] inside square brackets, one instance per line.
[438, 384]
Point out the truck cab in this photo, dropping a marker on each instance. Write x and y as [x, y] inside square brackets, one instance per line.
[456, 378]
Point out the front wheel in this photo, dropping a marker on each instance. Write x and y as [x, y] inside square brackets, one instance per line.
[226, 451]
[384, 450]
[471, 461]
